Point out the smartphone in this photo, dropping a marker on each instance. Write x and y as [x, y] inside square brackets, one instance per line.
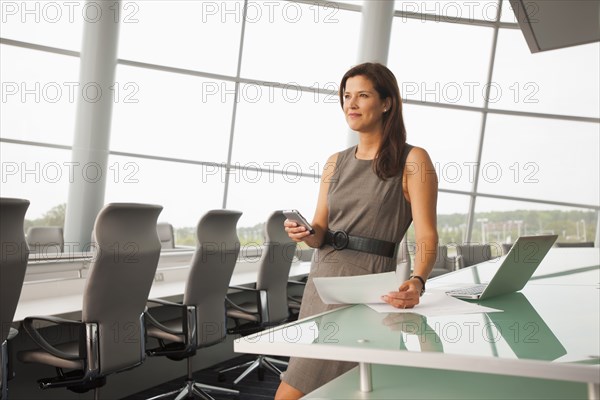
[294, 215]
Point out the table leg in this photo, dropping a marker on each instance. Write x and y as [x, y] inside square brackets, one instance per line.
[366, 383]
[593, 391]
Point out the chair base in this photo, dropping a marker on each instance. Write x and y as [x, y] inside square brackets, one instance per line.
[74, 381]
[261, 362]
[4, 361]
[197, 390]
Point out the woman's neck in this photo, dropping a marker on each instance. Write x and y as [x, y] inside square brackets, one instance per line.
[368, 146]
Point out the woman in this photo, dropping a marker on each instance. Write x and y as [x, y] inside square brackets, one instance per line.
[373, 191]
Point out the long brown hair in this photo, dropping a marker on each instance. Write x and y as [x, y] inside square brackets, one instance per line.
[388, 158]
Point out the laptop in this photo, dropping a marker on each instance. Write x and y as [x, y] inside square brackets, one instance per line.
[519, 264]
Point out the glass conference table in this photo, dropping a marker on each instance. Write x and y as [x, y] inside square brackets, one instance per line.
[550, 330]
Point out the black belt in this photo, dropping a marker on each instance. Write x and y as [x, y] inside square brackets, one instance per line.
[340, 240]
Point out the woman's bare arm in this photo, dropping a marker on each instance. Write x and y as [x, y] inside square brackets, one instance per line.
[319, 223]
[421, 192]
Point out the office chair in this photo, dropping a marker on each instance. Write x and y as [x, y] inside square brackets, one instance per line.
[295, 296]
[471, 254]
[271, 305]
[110, 336]
[166, 235]
[46, 239]
[506, 248]
[202, 322]
[14, 254]
[443, 263]
[295, 300]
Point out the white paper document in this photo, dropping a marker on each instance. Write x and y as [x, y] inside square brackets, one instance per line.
[360, 289]
[435, 303]
[368, 289]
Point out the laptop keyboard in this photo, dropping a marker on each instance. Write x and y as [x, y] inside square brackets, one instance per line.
[471, 290]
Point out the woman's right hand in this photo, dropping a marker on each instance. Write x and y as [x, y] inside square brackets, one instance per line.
[296, 232]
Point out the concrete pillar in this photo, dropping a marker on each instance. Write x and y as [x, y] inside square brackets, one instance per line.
[597, 239]
[93, 119]
[374, 39]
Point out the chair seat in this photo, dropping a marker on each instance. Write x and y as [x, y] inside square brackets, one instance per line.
[173, 324]
[43, 357]
[233, 313]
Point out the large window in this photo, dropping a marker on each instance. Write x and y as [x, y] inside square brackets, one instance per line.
[257, 194]
[503, 221]
[563, 81]
[48, 23]
[38, 103]
[196, 35]
[299, 44]
[547, 153]
[452, 217]
[185, 191]
[287, 129]
[171, 115]
[440, 62]
[39, 174]
[190, 133]
[451, 11]
[450, 137]
[541, 158]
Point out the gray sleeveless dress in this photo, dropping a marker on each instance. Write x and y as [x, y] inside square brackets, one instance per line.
[363, 205]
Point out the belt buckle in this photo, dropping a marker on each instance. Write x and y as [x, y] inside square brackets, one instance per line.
[340, 240]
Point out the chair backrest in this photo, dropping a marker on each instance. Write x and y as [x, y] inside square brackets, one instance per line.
[471, 254]
[14, 254]
[119, 281]
[506, 248]
[166, 235]
[274, 270]
[46, 239]
[440, 259]
[443, 264]
[305, 254]
[443, 260]
[210, 273]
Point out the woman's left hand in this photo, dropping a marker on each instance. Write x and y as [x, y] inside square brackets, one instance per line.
[407, 296]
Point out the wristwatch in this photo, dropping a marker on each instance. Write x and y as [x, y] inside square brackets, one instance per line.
[422, 282]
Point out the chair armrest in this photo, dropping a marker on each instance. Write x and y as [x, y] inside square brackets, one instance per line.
[450, 264]
[165, 302]
[261, 303]
[52, 319]
[41, 342]
[293, 282]
[153, 321]
[242, 309]
[244, 288]
[459, 262]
